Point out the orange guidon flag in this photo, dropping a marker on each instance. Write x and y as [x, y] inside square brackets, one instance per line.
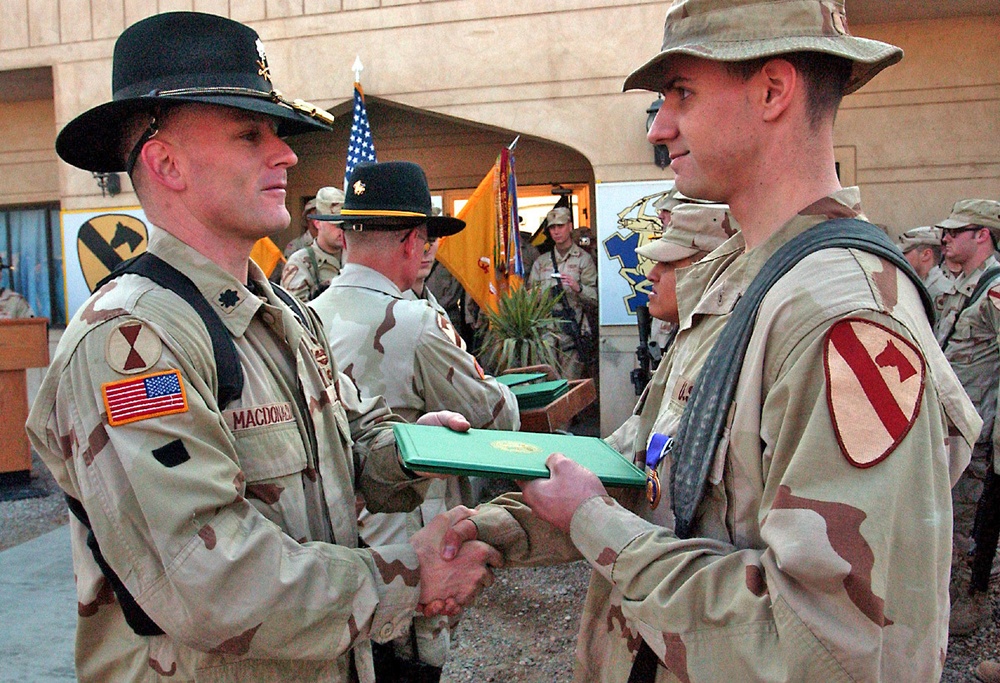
[485, 257]
[266, 254]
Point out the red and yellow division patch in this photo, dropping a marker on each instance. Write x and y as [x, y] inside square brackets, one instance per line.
[874, 386]
[140, 398]
[994, 296]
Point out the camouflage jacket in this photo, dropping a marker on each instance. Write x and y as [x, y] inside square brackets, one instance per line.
[974, 353]
[308, 271]
[403, 348]
[577, 263]
[950, 295]
[937, 283]
[235, 530]
[812, 558]
[13, 305]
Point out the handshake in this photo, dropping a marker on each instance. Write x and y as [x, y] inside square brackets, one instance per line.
[455, 567]
[451, 577]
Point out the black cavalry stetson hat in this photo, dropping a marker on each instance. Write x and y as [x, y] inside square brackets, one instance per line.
[174, 58]
[392, 195]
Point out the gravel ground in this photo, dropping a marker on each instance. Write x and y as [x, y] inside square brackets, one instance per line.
[522, 629]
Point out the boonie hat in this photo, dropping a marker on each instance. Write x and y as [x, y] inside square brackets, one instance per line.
[739, 30]
[672, 198]
[392, 195]
[328, 200]
[558, 216]
[175, 58]
[984, 212]
[692, 228]
[925, 236]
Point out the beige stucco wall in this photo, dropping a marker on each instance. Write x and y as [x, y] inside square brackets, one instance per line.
[29, 172]
[920, 136]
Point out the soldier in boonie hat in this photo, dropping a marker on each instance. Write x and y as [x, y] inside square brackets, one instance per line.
[742, 30]
[391, 195]
[926, 235]
[922, 248]
[969, 212]
[178, 58]
[693, 229]
[327, 202]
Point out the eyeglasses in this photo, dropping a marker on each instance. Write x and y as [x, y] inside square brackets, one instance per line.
[955, 232]
[428, 242]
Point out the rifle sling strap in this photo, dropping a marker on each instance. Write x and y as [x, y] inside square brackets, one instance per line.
[698, 438]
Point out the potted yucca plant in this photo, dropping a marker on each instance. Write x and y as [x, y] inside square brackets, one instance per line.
[522, 331]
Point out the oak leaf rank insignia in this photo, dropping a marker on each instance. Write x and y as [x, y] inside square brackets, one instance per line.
[874, 385]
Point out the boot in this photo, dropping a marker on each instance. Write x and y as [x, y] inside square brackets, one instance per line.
[988, 671]
[969, 613]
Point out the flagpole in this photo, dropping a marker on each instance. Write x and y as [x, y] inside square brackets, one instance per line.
[357, 68]
[513, 144]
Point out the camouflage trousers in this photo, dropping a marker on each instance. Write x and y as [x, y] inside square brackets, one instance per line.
[964, 498]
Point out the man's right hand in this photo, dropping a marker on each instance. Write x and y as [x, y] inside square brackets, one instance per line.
[448, 585]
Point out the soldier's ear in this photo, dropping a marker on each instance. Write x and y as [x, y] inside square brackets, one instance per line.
[776, 85]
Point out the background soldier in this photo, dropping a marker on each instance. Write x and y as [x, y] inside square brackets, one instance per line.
[12, 304]
[811, 471]
[970, 344]
[922, 249]
[572, 269]
[406, 351]
[310, 269]
[969, 249]
[694, 231]
[206, 440]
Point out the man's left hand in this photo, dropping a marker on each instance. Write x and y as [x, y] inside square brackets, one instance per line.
[557, 498]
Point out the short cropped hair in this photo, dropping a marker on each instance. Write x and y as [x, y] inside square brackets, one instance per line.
[825, 77]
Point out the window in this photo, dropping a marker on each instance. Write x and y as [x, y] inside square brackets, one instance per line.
[30, 241]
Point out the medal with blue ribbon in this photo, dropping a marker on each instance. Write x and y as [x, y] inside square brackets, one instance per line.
[658, 448]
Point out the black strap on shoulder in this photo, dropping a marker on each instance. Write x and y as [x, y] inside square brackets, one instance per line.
[707, 410]
[986, 281]
[135, 616]
[293, 304]
[644, 665]
[229, 373]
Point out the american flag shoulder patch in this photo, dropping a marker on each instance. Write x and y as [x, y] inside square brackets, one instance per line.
[140, 398]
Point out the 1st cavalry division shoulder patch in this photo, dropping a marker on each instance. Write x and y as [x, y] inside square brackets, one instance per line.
[874, 385]
[140, 398]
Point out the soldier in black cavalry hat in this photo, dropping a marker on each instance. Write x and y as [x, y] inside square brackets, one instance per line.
[208, 444]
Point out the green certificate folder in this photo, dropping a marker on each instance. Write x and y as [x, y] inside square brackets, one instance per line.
[515, 378]
[513, 455]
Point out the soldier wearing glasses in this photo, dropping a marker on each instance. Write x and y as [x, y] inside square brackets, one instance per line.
[968, 329]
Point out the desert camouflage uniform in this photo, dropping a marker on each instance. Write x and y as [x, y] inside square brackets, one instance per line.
[300, 242]
[577, 263]
[13, 305]
[802, 566]
[974, 354]
[405, 350]
[302, 280]
[937, 283]
[950, 295]
[235, 530]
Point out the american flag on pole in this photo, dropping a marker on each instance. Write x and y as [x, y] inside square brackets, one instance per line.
[361, 147]
[129, 400]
